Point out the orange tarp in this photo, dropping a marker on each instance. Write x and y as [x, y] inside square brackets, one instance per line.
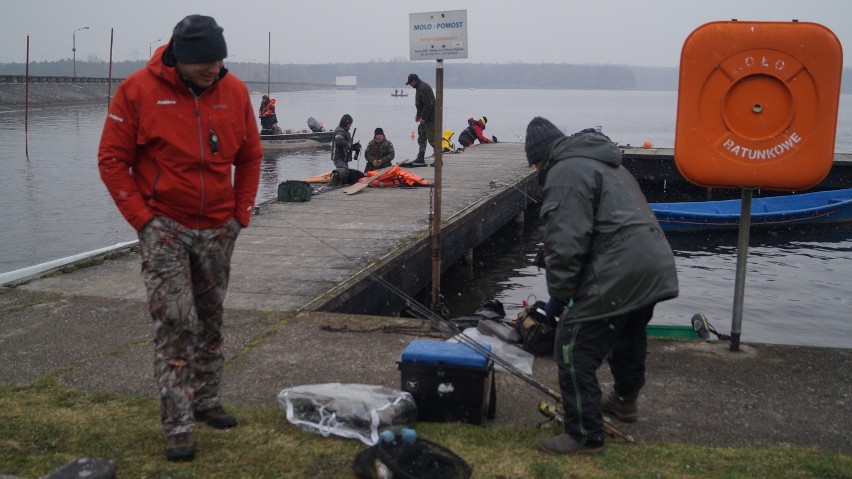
[396, 176]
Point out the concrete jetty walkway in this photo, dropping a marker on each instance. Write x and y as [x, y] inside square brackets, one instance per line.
[90, 327]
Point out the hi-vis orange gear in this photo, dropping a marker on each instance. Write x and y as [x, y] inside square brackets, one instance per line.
[396, 176]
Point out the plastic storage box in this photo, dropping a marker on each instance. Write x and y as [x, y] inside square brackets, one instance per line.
[449, 381]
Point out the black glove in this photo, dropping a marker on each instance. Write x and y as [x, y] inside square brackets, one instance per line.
[553, 309]
[356, 146]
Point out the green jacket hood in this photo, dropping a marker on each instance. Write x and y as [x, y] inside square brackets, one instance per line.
[584, 144]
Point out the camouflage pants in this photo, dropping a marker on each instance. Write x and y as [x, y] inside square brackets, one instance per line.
[426, 132]
[186, 274]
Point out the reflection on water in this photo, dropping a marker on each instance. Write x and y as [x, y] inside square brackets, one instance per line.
[55, 205]
[796, 292]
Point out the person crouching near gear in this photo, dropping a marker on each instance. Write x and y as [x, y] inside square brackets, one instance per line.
[474, 132]
[605, 250]
[447, 145]
[184, 173]
[341, 153]
[379, 152]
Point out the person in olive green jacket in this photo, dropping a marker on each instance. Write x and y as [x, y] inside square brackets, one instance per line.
[424, 101]
[379, 152]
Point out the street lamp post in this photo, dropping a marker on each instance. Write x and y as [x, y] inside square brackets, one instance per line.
[74, 47]
[149, 46]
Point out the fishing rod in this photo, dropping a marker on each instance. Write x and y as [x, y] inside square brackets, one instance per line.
[444, 325]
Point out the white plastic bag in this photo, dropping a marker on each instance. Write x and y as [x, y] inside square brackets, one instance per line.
[517, 357]
[355, 411]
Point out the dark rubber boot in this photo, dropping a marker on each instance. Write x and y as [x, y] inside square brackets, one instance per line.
[420, 160]
[623, 408]
[180, 447]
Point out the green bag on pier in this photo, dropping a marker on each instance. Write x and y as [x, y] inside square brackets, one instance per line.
[294, 191]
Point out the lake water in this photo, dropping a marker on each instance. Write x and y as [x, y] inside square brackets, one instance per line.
[797, 290]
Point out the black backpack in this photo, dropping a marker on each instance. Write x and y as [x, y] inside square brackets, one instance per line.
[537, 335]
[295, 191]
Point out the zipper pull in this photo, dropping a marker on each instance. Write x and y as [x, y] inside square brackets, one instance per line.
[214, 142]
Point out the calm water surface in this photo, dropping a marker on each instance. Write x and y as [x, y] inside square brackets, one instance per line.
[797, 292]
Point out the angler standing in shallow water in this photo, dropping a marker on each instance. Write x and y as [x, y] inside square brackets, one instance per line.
[604, 249]
[180, 154]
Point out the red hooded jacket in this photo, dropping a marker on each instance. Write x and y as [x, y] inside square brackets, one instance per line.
[157, 156]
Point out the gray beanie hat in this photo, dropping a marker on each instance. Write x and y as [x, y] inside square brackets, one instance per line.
[198, 39]
[541, 133]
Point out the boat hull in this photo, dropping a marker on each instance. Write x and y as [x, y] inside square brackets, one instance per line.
[824, 207]
[293, 140]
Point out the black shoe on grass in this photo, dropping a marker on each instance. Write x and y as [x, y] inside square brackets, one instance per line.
[216, 417]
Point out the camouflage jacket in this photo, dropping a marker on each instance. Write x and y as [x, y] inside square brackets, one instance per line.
[383, 152]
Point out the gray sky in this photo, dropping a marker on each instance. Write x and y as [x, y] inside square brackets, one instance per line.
[634, 32]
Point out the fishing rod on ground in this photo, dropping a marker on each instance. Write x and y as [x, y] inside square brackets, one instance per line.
[438, 322]
[551, 411]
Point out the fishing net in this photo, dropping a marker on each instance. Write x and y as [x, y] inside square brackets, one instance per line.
[420, 460]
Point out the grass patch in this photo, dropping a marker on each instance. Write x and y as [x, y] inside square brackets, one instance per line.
[44, 426]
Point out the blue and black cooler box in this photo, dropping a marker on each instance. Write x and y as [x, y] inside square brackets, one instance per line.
[449, 381]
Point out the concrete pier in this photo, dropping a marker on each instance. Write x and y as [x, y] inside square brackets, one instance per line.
[319, 255]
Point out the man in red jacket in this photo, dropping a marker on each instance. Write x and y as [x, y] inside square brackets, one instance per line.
[174, 132]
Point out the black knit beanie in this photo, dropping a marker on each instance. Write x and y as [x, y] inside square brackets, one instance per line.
[541, 133]
[198, 39]
[378, 131]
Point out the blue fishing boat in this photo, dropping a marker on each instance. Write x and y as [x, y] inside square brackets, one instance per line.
[823, 207]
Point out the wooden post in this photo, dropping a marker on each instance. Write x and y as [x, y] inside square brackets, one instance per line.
[268, 62]
[436, 207]
[27, 102]
[109, 76]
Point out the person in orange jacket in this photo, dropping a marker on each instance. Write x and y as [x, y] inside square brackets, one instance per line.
[180, 155]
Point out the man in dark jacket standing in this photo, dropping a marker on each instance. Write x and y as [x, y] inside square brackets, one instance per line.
[341, 152]
[180, 154]
[604, 250]
[424, 101]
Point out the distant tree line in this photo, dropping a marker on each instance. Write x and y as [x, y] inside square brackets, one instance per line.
[393, 74]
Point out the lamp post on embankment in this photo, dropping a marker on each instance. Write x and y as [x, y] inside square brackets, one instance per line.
[74, 48]
[151, 44]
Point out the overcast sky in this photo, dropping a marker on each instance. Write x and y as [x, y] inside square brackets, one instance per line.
[633, 32]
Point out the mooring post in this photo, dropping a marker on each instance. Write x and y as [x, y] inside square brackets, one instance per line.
[742, 259]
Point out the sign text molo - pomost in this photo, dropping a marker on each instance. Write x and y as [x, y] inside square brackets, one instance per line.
[438, 26]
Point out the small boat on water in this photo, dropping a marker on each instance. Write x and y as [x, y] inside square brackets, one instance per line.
[398, 93]
[823, 207]
[290, 138]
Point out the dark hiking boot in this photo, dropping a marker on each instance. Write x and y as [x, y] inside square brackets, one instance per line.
[180, 447]
[420, 160]
[564, 444]
[216, 417]
[622, 408]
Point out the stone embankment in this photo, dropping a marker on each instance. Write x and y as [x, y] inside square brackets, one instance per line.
[13, 95]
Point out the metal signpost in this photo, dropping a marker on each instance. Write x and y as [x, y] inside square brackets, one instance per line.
[437, 36]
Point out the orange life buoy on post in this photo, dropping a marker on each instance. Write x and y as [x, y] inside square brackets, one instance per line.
[757, 104]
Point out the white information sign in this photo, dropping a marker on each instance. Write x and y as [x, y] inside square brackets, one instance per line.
[438, 35]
